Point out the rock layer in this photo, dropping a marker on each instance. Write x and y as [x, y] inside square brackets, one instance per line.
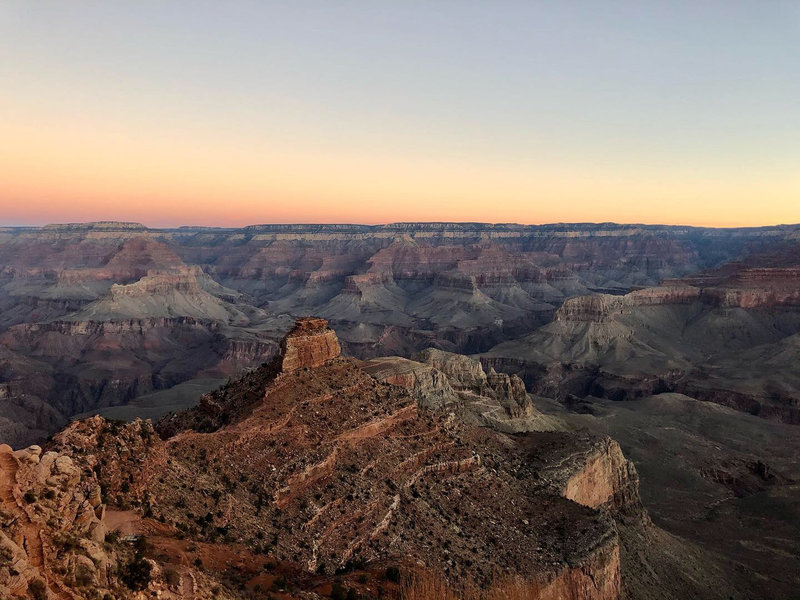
[309, 344]
[389, 290]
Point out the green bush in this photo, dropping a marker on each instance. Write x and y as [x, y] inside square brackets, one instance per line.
[30, 497]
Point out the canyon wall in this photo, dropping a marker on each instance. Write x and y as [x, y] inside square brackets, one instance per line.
[170, 305]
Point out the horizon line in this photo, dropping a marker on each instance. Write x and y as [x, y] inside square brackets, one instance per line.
[137, 224]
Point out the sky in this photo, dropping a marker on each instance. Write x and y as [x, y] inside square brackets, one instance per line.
[234, 113]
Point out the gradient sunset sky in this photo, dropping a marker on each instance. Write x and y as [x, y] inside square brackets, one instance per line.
[232, 113]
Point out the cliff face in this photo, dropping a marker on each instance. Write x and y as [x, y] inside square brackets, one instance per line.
[429, 386]
[393, 289]
[606, 479]
[467, 375]
[598, 580]
[442, 380]
[600, 308]
[309, 344]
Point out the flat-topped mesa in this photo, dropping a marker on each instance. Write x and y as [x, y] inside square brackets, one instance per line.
[310, 343]
[600, 308]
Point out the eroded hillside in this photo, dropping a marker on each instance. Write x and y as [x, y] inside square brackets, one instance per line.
[99, 314]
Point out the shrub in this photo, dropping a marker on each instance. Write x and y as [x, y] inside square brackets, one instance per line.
[38, 589]
[136, 574]
[83, 576]
[30, 497]
[393, 574]
[65, 540]
[337, 592]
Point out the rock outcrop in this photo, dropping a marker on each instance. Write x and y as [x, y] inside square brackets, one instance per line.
[429, 386]
[52, 527]
[342, 471]
[445, 381]
[600, 308]
[466, 374]
[309, 344]
[734, 342]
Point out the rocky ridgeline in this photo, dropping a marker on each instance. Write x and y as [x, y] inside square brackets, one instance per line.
[467, 374]
[312, 465]
[749, 289]
[445, 381]
[599, 308]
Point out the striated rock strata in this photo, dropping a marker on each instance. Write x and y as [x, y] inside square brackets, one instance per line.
[443, 380]
[309, 344]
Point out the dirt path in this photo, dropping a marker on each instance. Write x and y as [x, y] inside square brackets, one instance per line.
[125, 522]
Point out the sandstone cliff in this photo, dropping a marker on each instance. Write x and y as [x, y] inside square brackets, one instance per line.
[445, 381]
[309, 344]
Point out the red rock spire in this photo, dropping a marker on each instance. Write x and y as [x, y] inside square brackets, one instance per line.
[310, 343]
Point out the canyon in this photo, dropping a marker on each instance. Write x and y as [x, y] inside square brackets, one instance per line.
[472, 366]
[96, 315]
[308, 473]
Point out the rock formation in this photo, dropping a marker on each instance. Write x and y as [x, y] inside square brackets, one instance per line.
[333, 469]
[52, 526]
[443, 380]
[176, 305]
[467, 375]
[732, 343]
[309, 344]
[296, 478]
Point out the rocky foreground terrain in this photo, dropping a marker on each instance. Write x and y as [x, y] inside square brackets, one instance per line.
[98, 315]
[313, 476]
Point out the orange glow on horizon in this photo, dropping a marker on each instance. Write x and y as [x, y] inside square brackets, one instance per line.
[184, 113]
[67, 171]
